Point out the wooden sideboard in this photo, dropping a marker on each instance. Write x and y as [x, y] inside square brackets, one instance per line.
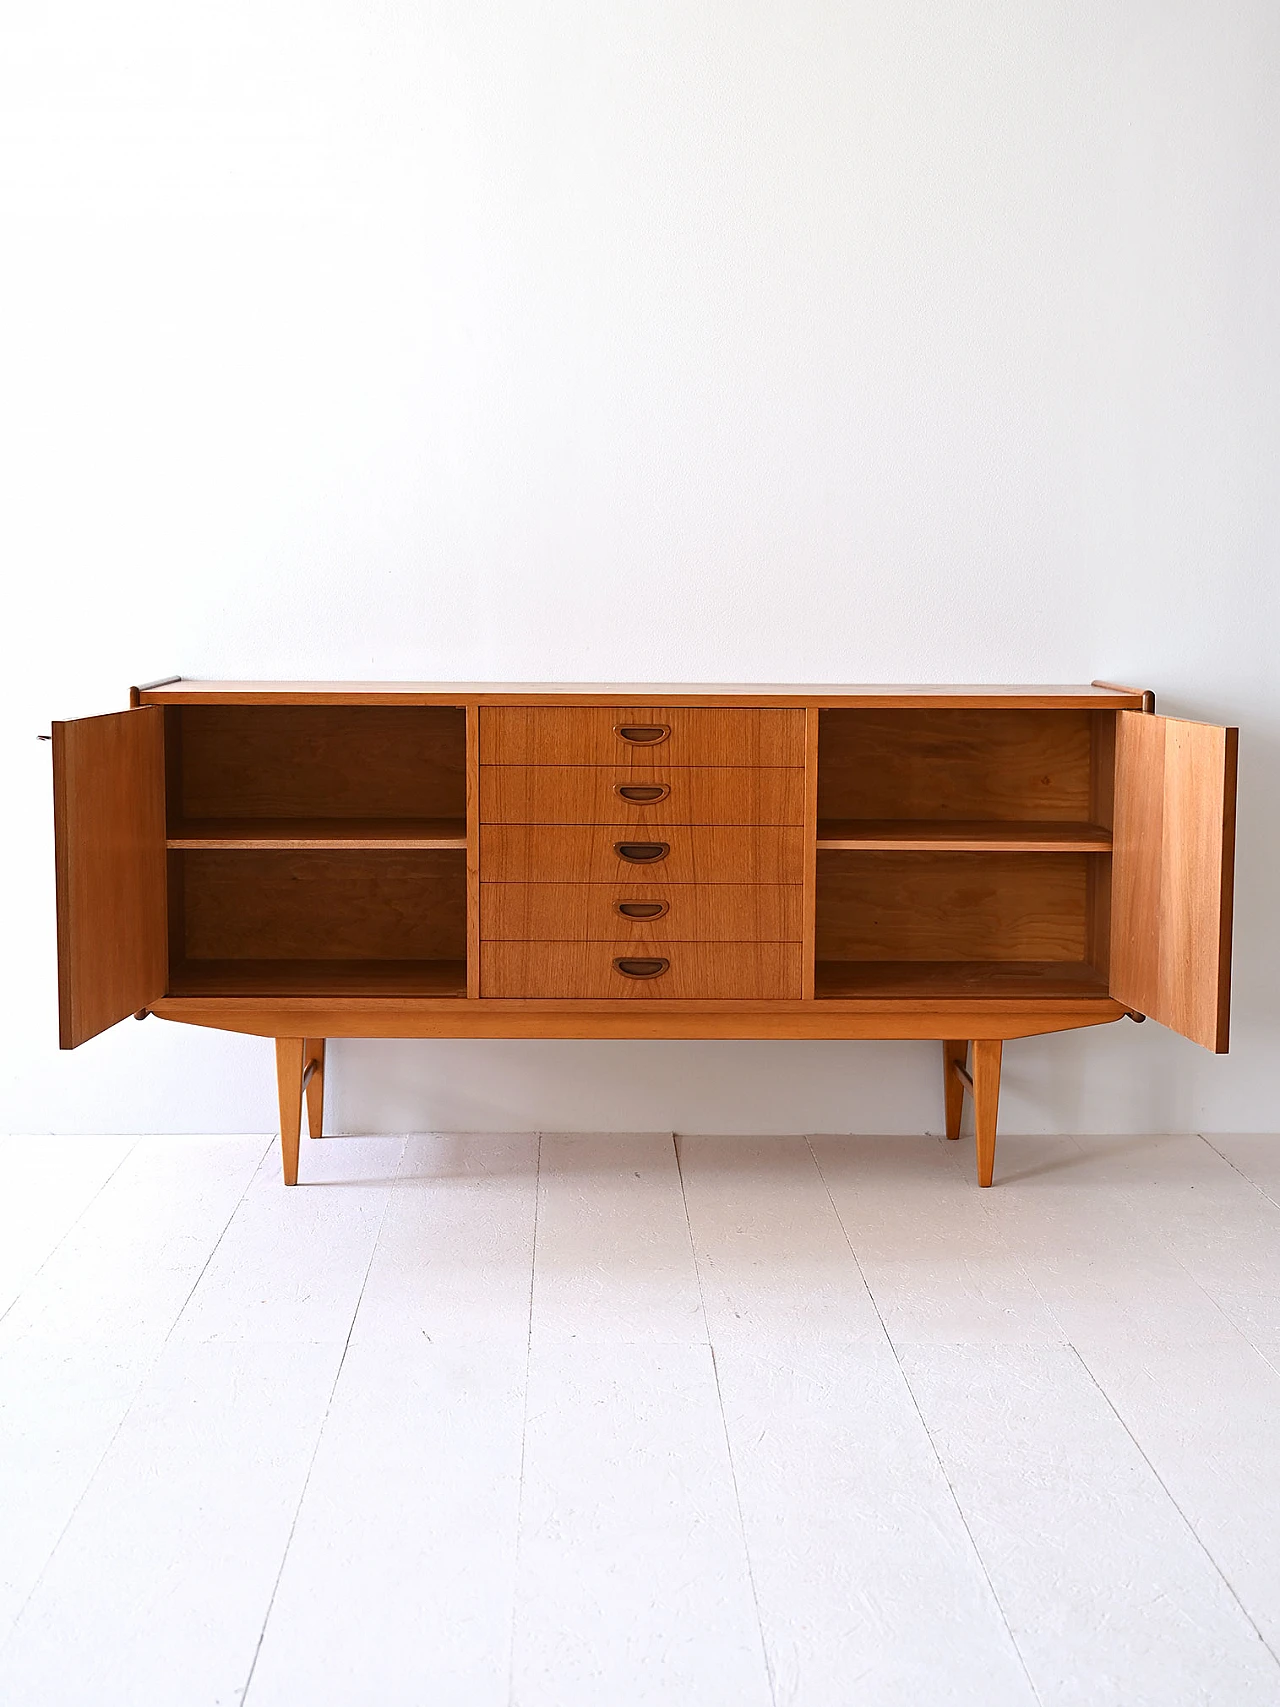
[364, 859]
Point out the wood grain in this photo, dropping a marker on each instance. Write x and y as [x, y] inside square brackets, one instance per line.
[522, 853]
[645, 694]
[958, 980]
[957, 765]
[1097, 914]
[108, 804]
[588, 912]
[581, 735]
[316, 761]
[1102, 792]
[289, 1066]
[317, 906]
[473, 852]
[1102, 768]
[812, 717]
[313, 1054]
[876, 1016]
[952, 906]
[260, 980]
[1172, 874]
[913, 835]
[986, 1101]
[955, 1054]
[559, 970]
[319, 833]
[588, 794]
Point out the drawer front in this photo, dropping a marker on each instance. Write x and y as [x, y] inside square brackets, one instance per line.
[760, 971]
[640, 912]
[571, 853]
[645, 795]
[666, 735]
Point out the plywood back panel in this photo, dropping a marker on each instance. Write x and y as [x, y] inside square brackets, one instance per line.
[887, 906]
[323, 906]
[955, 765]
[318, 761]
[1172, 873]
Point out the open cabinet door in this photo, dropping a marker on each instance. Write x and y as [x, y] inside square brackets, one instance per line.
[108, 810]
[1172, 866]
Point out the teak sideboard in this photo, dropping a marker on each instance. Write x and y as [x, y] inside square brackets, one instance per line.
[361, 859]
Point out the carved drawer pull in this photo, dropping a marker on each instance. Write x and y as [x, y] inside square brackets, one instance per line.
[642, 853]
[642, 968]
[642, 734]
[642, 793]
[643, 909]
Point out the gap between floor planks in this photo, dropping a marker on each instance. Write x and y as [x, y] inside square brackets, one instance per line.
[837, 1365]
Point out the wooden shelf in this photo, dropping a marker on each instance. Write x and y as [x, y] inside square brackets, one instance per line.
[318, 978]
[931, 979]
[328, 833]
[908, 835]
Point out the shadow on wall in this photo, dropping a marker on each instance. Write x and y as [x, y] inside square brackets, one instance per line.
[485, 1086]
[1121, 1078]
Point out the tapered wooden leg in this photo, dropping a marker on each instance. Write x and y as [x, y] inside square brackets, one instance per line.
[313, 1062]
[954, 1054]
[986, 1100]
[290, 1060]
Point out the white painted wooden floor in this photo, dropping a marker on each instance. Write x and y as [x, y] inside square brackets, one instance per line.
[601, 1420]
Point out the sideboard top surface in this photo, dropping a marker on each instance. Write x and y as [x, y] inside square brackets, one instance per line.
[941, 695]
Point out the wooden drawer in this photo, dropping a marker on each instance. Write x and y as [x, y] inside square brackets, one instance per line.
[572, 853]
[689, 912]
[589, 735]
[761, 971]
[612, 794]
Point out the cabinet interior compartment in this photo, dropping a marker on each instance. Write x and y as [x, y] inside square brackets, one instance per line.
[315, 772]
[961, 923]
[885, 768]
[317, 921]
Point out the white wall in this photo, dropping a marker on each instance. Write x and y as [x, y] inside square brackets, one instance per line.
[699, 339]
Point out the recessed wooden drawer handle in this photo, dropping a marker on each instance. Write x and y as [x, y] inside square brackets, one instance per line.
[642, 853]
[643, 909]
[642, 734]
[642, 793]
[642, 968]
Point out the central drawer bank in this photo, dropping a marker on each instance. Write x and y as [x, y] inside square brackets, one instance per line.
[311, 860]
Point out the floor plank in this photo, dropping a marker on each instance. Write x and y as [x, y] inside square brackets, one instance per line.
[60, 1408]
[87, 1327]
[869, 1586]
[1111, 1599]
[399, 1583]
[722, 1453]
[773, 1258]
[1205, 1416]
[614, 1261]
[454, 1259]
[1220, 1226]
[632, 1584]
[936, 1265]
[1256, 1155]
[158, 1589]
[291, 1265]
[48, 1184]
[125, 1270]
[1097, 1253]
